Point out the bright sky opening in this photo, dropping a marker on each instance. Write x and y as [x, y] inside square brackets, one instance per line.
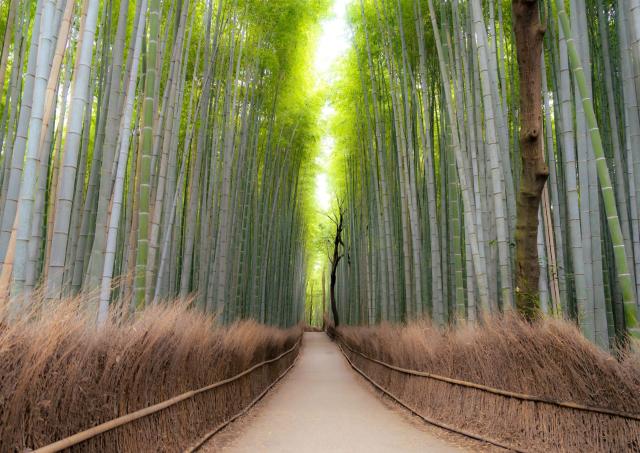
[334, 42]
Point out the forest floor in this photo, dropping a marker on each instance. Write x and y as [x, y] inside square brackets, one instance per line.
[322, 405]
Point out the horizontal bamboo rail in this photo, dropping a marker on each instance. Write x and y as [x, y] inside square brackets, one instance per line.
[415, 411]
[495, 391]
[220, 427]
[126, 419]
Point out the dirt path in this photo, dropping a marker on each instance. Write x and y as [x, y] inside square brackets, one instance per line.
[322, 406]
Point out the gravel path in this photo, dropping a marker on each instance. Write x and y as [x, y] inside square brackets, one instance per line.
[323, 406]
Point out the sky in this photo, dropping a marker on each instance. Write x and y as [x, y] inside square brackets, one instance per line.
[334, 40]
[333, 43]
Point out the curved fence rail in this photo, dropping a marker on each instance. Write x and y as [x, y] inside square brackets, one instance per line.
[416, 411]
[126, 419]
[495, 391]
[220, 427]
[621, 415]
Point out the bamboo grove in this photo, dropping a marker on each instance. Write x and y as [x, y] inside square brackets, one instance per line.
[429, 137]
[154, 150]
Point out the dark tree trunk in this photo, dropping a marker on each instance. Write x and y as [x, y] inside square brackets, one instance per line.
[529, 33]
[334, 308]
[337, 242]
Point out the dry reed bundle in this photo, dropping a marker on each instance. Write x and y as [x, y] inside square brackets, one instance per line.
[59, 375]
[550, 360]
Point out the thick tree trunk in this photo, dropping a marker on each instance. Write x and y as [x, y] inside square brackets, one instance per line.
[529, 32]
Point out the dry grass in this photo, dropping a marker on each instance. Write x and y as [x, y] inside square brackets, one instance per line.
[550, 359]
[59, 376]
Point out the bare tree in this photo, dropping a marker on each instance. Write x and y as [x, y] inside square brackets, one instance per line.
[334, 259]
